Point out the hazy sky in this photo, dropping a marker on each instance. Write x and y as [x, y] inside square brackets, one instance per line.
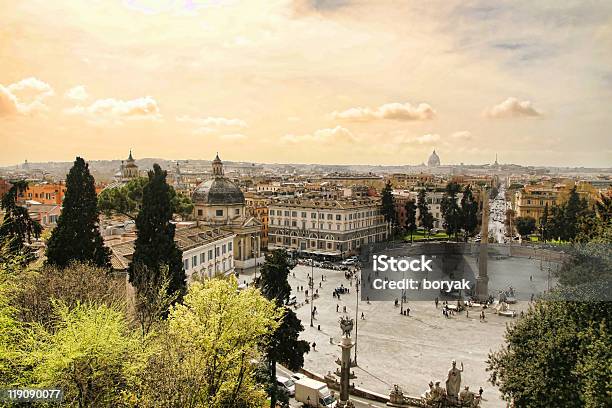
[326, 81]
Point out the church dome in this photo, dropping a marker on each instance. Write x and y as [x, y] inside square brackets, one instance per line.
[433, 160]
[219, 190]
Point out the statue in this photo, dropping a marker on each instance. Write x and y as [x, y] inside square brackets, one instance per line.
[453, 381]
[466, 397]
[346, 325]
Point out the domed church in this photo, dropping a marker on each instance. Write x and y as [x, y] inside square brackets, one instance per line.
[434, 160]
[219, 203]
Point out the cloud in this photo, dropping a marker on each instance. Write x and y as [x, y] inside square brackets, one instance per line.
[24, 97]
[118, 110]
[393, 111]
[211, 124]
[328, 135]
[461, 135]
[512, 108]
[77, 93]
[8, 102]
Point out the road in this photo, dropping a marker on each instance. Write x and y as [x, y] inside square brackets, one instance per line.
[497, 216]
[359, 402]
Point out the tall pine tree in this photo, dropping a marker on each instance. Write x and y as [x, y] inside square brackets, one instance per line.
[155, 246]
[284, 345]
[450, 209]
[17, 228]
[469, 213]
[425, 217]
[410, 208]
[77, 236]
[388, 204]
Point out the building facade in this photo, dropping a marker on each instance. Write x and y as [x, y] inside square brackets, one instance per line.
[220, 203]
[326, 227]
[257, 206]
[206, 251]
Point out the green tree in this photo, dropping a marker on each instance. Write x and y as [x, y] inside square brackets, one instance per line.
[469, 212]
[410, 208]
[155, 248]
[284, 345]
[204, 357]
[544, 223]
[558, 355]
[450, 209]
[88, 355]
[77, 235]
[525, 225]
[573, 210]
[127, 199]
[388, 204]
[17, 228]
[425, 217]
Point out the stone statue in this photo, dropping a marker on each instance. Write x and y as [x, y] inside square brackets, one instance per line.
[453, 381]
[436, 395]
[466, 396]
[346, 325]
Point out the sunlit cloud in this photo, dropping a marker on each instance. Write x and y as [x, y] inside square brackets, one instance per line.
[77, 93]
[392, 111]
[212, 124]
[117, 111]
[462, 135]
[24, 97]
[512, 108]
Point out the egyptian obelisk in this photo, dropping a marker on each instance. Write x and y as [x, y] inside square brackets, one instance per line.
[482, 281]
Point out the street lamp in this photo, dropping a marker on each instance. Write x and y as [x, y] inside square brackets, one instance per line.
[358, 282]
[311, 286]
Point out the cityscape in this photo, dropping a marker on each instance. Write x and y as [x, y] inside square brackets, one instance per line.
[296, 203]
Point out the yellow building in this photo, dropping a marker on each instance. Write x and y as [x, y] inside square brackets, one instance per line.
[257, 207]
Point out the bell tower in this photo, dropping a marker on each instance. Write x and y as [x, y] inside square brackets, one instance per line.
[217, 167]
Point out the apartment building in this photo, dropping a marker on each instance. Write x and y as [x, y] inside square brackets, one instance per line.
[326, 227]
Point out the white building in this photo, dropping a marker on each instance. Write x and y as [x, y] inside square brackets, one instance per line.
[206, 251]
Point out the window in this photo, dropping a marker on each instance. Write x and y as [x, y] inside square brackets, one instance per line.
[338, 217]
[219, 213]
[229, 246]
[217, 251]
[202, 258]
[186, 264]
[224, 249]
[194, 260]
[330, 216]
[286, 213]
[237, 211]
[304, 215]
[294, 223]
[313, 215]
[210, 254]
[294, 213]
[200, 212]
[271, 212]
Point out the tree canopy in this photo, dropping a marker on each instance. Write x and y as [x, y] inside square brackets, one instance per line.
[77, 235]
[17, 228]
[155, 248]
[127, 199]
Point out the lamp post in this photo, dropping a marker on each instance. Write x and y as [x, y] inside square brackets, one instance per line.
[358, 282]
[311, 286]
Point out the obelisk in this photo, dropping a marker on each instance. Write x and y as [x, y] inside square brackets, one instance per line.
[482, 281]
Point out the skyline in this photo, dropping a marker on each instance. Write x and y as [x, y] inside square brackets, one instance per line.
[327, 82]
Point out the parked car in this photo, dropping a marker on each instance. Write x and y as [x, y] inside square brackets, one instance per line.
[292, 300]
[286, 384]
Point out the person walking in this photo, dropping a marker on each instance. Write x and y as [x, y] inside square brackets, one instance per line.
[314, 346]
[480, 391]
[337, 308]
[436, 302]
[362, 316]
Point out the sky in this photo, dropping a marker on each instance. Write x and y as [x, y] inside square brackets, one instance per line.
[307, 81]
